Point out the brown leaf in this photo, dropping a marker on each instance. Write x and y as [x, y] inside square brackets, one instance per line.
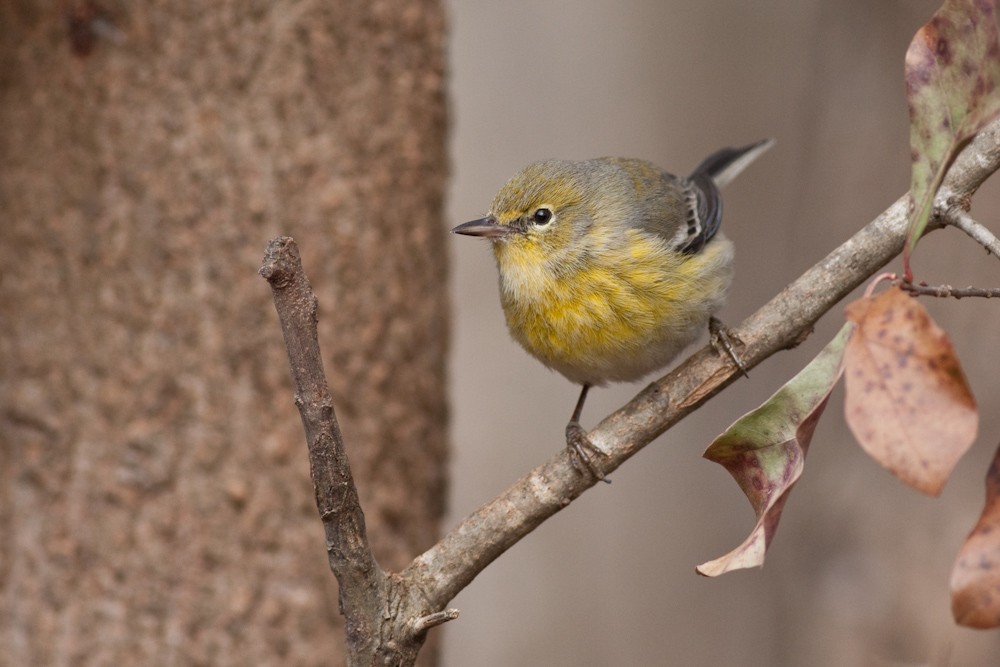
[908, 402]
[765, 451]
[975, 579]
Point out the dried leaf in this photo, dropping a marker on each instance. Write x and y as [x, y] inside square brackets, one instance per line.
[975, 579]
[765, 451]
[908, 402]
[952, 72]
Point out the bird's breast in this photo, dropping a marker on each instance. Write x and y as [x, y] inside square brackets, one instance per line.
[614, 315]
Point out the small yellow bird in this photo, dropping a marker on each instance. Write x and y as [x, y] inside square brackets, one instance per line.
[610, 267]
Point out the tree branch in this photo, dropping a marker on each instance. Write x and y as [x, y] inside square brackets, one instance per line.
[956, 216]
[945, 291]
[362, 583]
[447, 567]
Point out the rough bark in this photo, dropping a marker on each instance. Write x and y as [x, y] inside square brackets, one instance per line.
[154, 494]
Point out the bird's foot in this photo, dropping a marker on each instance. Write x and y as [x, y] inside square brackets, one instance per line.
[722, 341]
[581, 449]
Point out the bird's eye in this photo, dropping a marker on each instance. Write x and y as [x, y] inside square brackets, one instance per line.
[542, 216]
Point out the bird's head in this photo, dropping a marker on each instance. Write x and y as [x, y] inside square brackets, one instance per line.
[539, 215]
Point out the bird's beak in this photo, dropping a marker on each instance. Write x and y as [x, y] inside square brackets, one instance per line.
[487, 227]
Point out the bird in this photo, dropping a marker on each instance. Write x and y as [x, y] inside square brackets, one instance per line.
[610, 267]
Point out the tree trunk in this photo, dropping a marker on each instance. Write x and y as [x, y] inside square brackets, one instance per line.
[155, 503]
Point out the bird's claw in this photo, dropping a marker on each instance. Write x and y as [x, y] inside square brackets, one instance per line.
[580, 449]
[722, 341]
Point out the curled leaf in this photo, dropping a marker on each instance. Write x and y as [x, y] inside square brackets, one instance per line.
[908, 403]
[975, 579]
[952, 74]
[765, 451]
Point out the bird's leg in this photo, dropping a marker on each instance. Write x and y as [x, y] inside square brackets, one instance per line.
[578, 443]
[722, 341]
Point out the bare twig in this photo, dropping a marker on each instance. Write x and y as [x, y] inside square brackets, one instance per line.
[944, 291]
[958, 217]
[425, 623]
[362, 582]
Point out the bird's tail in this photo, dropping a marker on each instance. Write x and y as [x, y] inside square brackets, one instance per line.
[724, 165]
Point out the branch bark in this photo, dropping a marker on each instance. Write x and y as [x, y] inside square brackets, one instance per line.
[362, 582]
[404, 605]
[958, 217]
[945, 291]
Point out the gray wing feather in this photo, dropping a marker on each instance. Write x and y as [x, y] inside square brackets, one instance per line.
[704, 212]
[686, 212]
[703, 196]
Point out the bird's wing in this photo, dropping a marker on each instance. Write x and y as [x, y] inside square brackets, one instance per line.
[703, 210]
[685, 212]
[701, 192]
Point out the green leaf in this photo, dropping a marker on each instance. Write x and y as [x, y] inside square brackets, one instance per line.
[952, 72]
[765, 451]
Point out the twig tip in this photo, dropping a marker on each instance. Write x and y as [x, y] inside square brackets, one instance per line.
[425, 623]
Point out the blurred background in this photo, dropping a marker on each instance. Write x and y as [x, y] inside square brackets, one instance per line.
[858, 572]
